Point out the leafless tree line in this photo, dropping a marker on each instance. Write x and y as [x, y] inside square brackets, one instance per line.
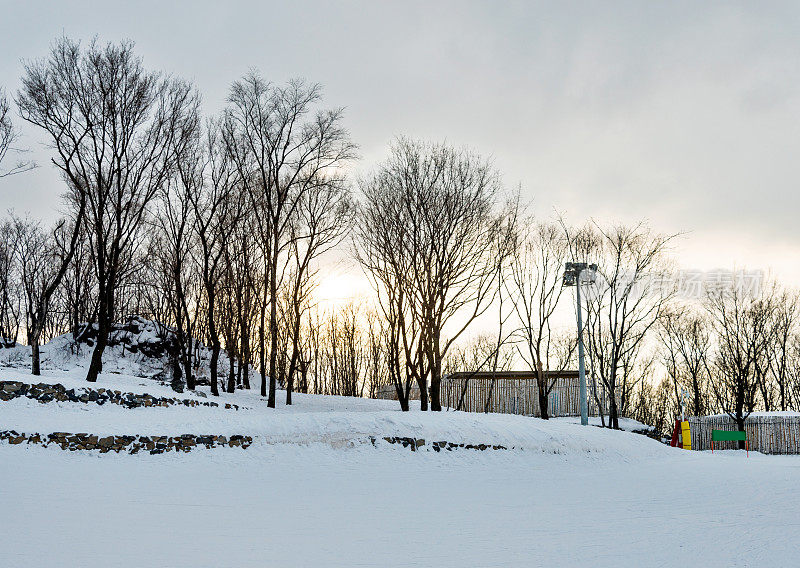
[655, 356]
[736, 353]
[342, 352]
[214, 227]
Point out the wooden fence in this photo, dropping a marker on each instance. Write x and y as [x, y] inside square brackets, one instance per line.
[767, 434]
[388, 392]
[514, 396]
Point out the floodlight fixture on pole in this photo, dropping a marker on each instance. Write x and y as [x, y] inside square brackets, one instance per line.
[575, 274]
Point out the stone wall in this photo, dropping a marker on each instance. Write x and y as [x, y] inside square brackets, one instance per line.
[133, 444]
[43, 393]
[127, 444]
[416, 444]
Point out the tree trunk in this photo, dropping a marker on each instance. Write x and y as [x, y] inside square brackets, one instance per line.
[96, 364]
[35, 367]
[544, 400]
[303, 377]
[244, 362]
[187, 362]
[489, 394]
[184, 342]
[613, 414]
[263, 351]
[422, 384]
[436, 377]
[273, 327]
[290, 376]
[403, 399]
[435, 393]
[231, 372]
[698, 410]
[783, 395]
[103, 330]
[214, 361]
[215, 346]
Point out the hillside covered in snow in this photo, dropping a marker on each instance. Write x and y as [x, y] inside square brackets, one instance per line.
[337, 481]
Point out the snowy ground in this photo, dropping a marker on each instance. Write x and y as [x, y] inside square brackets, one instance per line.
[319, 506]
[311, 492]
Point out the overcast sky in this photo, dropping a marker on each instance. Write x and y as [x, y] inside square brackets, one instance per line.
[686, 116]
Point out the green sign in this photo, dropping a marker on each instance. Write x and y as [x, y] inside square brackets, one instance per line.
[727, 436]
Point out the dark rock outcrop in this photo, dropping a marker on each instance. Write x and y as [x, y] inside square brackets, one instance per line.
[136, 335]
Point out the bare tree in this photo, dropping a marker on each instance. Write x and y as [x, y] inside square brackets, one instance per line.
[229, 319]
[383, 239]
[627, 301]
[238, 296]
[742, 322]
[536, 276]
[685, 337]
[637, 367]
[433, 239]
[245, 261]
[780, 356]
[479, 353]
[376, 372]
[343, 352]
[654, 405]
[41, 271]
[487, 352]
[111, 123]
[213, 187]
[324, 215]
[8, 135]
[77, 297]
[10, 295]
[174, 256]
[793, 370]
[283, 148]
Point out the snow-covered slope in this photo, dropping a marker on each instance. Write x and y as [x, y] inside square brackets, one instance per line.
[311, 419]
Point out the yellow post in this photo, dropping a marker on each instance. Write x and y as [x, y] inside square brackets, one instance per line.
[686, 435]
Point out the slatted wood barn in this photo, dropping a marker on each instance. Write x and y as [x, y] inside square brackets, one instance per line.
[508, 392]
[514, 392]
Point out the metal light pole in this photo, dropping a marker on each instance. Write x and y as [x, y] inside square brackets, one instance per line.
[573, 276]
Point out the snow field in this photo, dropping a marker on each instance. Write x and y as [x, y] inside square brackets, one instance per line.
[289, 505]
[312, 491]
